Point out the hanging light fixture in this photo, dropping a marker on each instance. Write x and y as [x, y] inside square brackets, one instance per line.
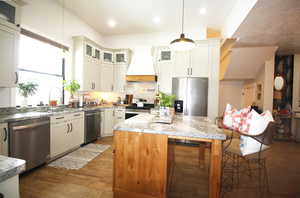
[182, 43]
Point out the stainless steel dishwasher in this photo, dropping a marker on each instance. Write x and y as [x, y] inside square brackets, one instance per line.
[92, 126]
[30, 140]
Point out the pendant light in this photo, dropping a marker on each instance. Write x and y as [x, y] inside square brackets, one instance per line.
[182, 43]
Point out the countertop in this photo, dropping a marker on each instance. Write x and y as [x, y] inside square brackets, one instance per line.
[182, 126]
[39, 114]
[10, 167]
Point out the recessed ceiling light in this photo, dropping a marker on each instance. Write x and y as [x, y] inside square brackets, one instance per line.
[156, 19]
[111, 23]
[202, 11]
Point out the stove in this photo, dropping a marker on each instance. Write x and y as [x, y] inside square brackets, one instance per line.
[133, 110]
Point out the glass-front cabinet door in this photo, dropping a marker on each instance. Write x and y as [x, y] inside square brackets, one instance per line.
[88, 50]
[107, 57]
[121, 57]
[97, 54]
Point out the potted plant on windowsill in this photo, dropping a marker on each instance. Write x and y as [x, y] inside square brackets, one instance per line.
[166, 104]
[72, 87]
[26, 90]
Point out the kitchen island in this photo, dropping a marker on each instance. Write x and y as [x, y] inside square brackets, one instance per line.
[143, 154]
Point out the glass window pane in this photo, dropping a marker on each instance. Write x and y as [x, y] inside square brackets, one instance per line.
[47, 84]
[39, 56]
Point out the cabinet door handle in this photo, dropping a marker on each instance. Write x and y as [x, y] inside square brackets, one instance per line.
[191, 71]
[5, 135]
[71, 127]
[17, 77]
[188, 71]
[68, 128]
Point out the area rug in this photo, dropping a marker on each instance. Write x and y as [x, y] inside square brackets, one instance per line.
[80, 157]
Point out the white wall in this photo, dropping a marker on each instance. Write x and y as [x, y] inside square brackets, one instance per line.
[296, 83]
[269, 84]
[45, 17]
[237, 16]
[260, 79]
[230, 92]
[141, 45]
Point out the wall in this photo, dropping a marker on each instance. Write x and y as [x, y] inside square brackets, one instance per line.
[269, 84]
[260, 79]
[230, 92]
[237, 16]
[45, 17]
[141, 45]
[296, 84]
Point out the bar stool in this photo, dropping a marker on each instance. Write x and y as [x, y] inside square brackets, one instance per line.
[253, 166]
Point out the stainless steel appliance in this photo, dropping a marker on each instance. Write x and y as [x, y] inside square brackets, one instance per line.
[30, 140]
[92, 126]
[193, 91]
[133, 109]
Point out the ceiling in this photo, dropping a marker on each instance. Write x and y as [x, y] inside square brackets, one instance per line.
[247, 62]
[272, 23]
[135, 16]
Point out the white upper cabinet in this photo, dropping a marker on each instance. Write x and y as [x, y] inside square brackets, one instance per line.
[120, 71]
[107, 77]
[199, 61]
[87, 64]
[99, 69]
[193, 63]
[182, 64]
[9, 39]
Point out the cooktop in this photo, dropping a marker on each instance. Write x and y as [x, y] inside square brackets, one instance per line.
[146, 106]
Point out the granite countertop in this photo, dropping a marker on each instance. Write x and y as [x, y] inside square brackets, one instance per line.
[38, 114]
[184, 126]
[10, 167]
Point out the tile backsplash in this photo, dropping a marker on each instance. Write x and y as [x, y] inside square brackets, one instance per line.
[144, 90]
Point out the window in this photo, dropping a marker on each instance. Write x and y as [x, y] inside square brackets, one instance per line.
[43, 64]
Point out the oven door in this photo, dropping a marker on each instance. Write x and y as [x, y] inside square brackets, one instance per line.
[130, 115]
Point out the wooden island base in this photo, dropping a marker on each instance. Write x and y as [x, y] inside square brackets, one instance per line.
[143, 165]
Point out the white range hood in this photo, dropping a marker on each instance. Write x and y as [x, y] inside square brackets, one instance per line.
[141, 62]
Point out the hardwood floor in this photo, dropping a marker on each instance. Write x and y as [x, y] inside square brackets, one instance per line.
[190, 181]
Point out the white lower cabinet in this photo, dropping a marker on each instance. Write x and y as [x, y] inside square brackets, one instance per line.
[108, 123]
[10, 188]
[66, 132]
[77, 129]
[3, 139]
[119, 115]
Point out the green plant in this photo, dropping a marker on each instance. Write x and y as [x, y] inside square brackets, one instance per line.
[166, 100]
[72, 87]
[27, 89]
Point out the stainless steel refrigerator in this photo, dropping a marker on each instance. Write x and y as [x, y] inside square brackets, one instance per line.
[193, 91]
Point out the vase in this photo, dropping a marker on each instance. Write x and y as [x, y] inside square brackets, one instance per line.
[164, 111]
[24, 102]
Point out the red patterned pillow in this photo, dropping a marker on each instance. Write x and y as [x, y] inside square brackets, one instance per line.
[246, 123]
[239, 118]
[227, 117]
